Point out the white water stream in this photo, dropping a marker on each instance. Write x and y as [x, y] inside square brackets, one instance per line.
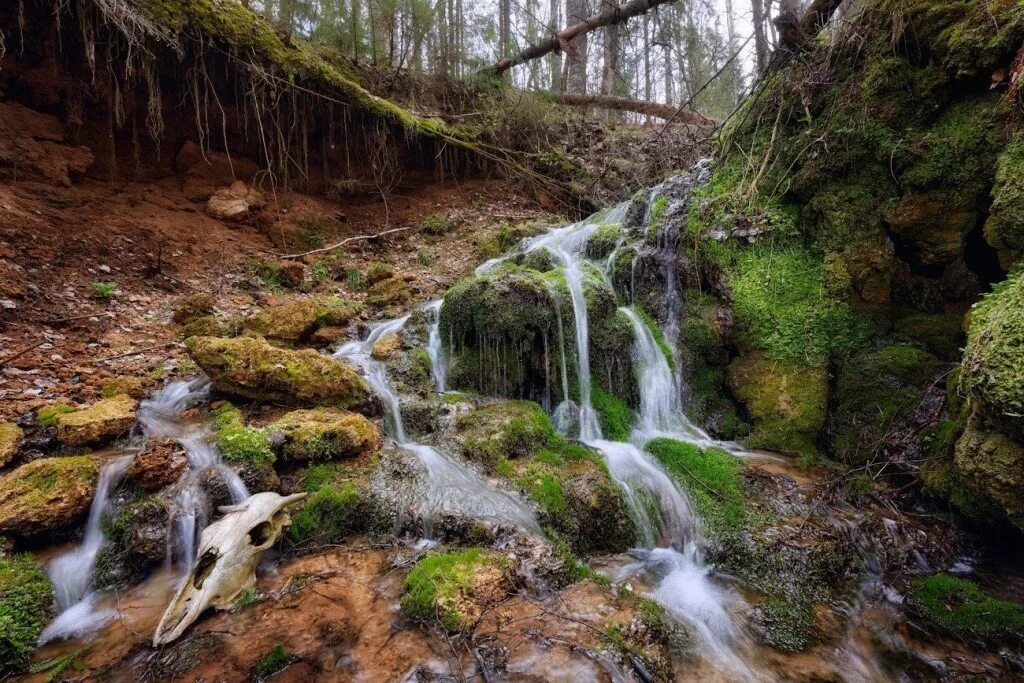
[451, 485]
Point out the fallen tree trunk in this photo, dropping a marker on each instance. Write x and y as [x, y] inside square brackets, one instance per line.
[657, 109]
[560, 41]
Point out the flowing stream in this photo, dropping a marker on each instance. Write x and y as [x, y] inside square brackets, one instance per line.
[71, 573]
[451, 485]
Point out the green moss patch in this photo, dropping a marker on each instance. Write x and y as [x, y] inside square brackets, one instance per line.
[453, 588]
[25, 598]
[712, 477]
[615, 416]
[238, 443]
[962, 607]
[992, 369]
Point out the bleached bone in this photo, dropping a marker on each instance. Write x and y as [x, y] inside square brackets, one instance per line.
[229, 551]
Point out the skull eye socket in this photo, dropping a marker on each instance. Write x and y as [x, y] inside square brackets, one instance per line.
[260, 534]
[204, 565]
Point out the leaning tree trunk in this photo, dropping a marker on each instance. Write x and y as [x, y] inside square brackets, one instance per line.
[656, 109]
[576, 80]
[562, 41]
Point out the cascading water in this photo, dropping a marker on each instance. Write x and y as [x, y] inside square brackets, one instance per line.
[435, 349]
[660, 407]
[451, 485]
[160, 416]
[71, 573]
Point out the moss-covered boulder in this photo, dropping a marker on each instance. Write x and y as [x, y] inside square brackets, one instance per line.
[990, 463]
[341, 504]
[137, 538]
[238, 443]
[192, 306]
[453, 589]
[26, 597]
[253, 368]
[873, 389]
[787, 404]
[297, 320]
[101, 422]
[1004, 229]
[326, 434]
[569, 483]
[389, 291]
[46, 495]
[604, 240]
[134, 386]
[11, 436]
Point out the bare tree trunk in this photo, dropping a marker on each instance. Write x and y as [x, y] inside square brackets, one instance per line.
[504, 28]
[760, 39]
[648, 84]
[610, 66]
[354, 20]
[576, 13]
[555, 58]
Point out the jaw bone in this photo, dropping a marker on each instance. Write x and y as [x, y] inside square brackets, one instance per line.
[229, 551]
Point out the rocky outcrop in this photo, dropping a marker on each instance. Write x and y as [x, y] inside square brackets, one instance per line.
[297, 320]
[252, 368]
[99, 423]
[46, 495]
[11, 436]
[158, 466]
[235, 202]
[325, 434]
[33, 147]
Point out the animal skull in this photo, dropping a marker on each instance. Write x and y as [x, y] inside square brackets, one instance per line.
[229, 551]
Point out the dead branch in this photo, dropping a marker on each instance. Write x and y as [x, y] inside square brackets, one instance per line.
[656, 109]
[341, 243]
[19, 354]
[560, 41]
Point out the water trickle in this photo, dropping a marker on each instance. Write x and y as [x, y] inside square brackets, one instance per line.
[661, 411]
[450, 485]
[438, 360]
[71, 573]
[160, 416]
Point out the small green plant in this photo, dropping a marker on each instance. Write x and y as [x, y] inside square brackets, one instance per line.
[424, 258]
[440, 584]
[436, 225]
[55, 666]
[104, 290]
[319, 272]
[249, 597]
[354, 278]
[276, 660]
[268, 272]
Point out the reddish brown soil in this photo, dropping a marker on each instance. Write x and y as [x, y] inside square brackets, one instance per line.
[156, 245]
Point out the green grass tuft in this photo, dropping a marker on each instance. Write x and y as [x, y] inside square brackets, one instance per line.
[615, 416]
[960, 606]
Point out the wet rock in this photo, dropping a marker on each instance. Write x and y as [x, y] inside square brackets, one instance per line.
[325, 434]
[295, 320]
[192, 306]
[99, 423]
[259, 477]
[252, 368]
[158, 466]
[326, 336]
[46, 495]
[787, 404]
[137, 538]
[386, 347]
[235, 202]
[11, 437]
[205, 171]
[931, 227]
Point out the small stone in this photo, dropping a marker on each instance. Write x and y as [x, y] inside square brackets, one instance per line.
[386, 347]
[158, 466]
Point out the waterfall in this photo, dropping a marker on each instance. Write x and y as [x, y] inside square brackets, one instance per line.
[450, 484]
[435, 349]
[660, 405]
[71, 573]
[160, 416]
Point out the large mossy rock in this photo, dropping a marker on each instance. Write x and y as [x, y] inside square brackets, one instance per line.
[325, 434]
[990, 454]
[507, 329]
[101, 422]
[786, 403]
[569, 482]
[26, 598]
[873, 389]
[46, 495]
[253, 368]
[298, 320]
[10, 441]
[455, 588]
[1004, 229]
